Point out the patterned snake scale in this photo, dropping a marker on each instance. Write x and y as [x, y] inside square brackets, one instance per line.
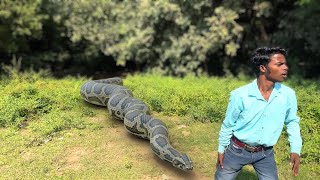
[121, 105]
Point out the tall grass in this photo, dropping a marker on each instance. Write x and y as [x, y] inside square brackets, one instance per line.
[203, 99]
[41, 103]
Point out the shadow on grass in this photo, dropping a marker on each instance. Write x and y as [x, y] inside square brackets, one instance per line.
[247, 175]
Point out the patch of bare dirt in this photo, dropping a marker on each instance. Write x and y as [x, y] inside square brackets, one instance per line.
[144, 155]
[114, 146]
[72, 159]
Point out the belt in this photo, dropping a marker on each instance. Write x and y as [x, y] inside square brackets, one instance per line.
[248, 147]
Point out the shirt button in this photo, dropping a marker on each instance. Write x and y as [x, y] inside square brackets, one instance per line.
[262, 127]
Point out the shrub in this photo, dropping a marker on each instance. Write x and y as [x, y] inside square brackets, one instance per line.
[309, 112]
[45, 104]
[172, 37]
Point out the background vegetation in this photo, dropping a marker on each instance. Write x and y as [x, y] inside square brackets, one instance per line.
[173, 37]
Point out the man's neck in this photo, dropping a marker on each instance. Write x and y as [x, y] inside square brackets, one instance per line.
[265, 87]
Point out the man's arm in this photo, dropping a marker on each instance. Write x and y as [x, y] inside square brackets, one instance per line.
[225, 134]
[294, 137]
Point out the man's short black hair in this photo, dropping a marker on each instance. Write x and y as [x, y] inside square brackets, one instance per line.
[262, 55]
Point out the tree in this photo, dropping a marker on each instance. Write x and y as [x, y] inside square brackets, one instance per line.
[19, 21]
[299, 31]
[174, 37]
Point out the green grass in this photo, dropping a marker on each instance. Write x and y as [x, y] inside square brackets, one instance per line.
[203, 99]
[48, 132]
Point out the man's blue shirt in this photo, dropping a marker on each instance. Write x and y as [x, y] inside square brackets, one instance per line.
[255, 121]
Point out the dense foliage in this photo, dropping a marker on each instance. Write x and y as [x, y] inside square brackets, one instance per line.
[157, 34]
[20, 21]
[174, 37]
[301, 27]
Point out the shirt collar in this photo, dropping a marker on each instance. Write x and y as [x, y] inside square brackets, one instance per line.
[254, 90]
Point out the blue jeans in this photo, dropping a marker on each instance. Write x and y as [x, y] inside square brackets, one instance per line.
[236, 157]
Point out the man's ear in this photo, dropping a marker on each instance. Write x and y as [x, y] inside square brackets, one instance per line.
[263, 68]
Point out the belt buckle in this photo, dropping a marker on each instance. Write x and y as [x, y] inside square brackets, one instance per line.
[249, 148]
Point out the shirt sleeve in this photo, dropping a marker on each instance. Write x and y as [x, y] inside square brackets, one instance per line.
[231, 117]
[293, 127]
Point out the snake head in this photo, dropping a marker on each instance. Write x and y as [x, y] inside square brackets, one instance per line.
[183, 162]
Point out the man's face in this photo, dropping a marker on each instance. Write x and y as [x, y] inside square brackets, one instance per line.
[277, 69]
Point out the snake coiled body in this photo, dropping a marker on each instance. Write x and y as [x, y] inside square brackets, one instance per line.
[134, 112]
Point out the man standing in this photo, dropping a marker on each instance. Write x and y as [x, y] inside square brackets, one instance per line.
[255, 117]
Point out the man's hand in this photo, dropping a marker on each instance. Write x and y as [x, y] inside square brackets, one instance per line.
[220, 160]
[295, 162]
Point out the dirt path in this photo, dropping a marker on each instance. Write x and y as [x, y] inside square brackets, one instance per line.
[144, 150]
[136, 151]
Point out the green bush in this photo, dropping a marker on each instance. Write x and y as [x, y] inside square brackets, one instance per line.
[172, 37]
[42, 103]
[20, 22]
[309, 111]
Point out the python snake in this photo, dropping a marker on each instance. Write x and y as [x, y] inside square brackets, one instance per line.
[135, 114]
